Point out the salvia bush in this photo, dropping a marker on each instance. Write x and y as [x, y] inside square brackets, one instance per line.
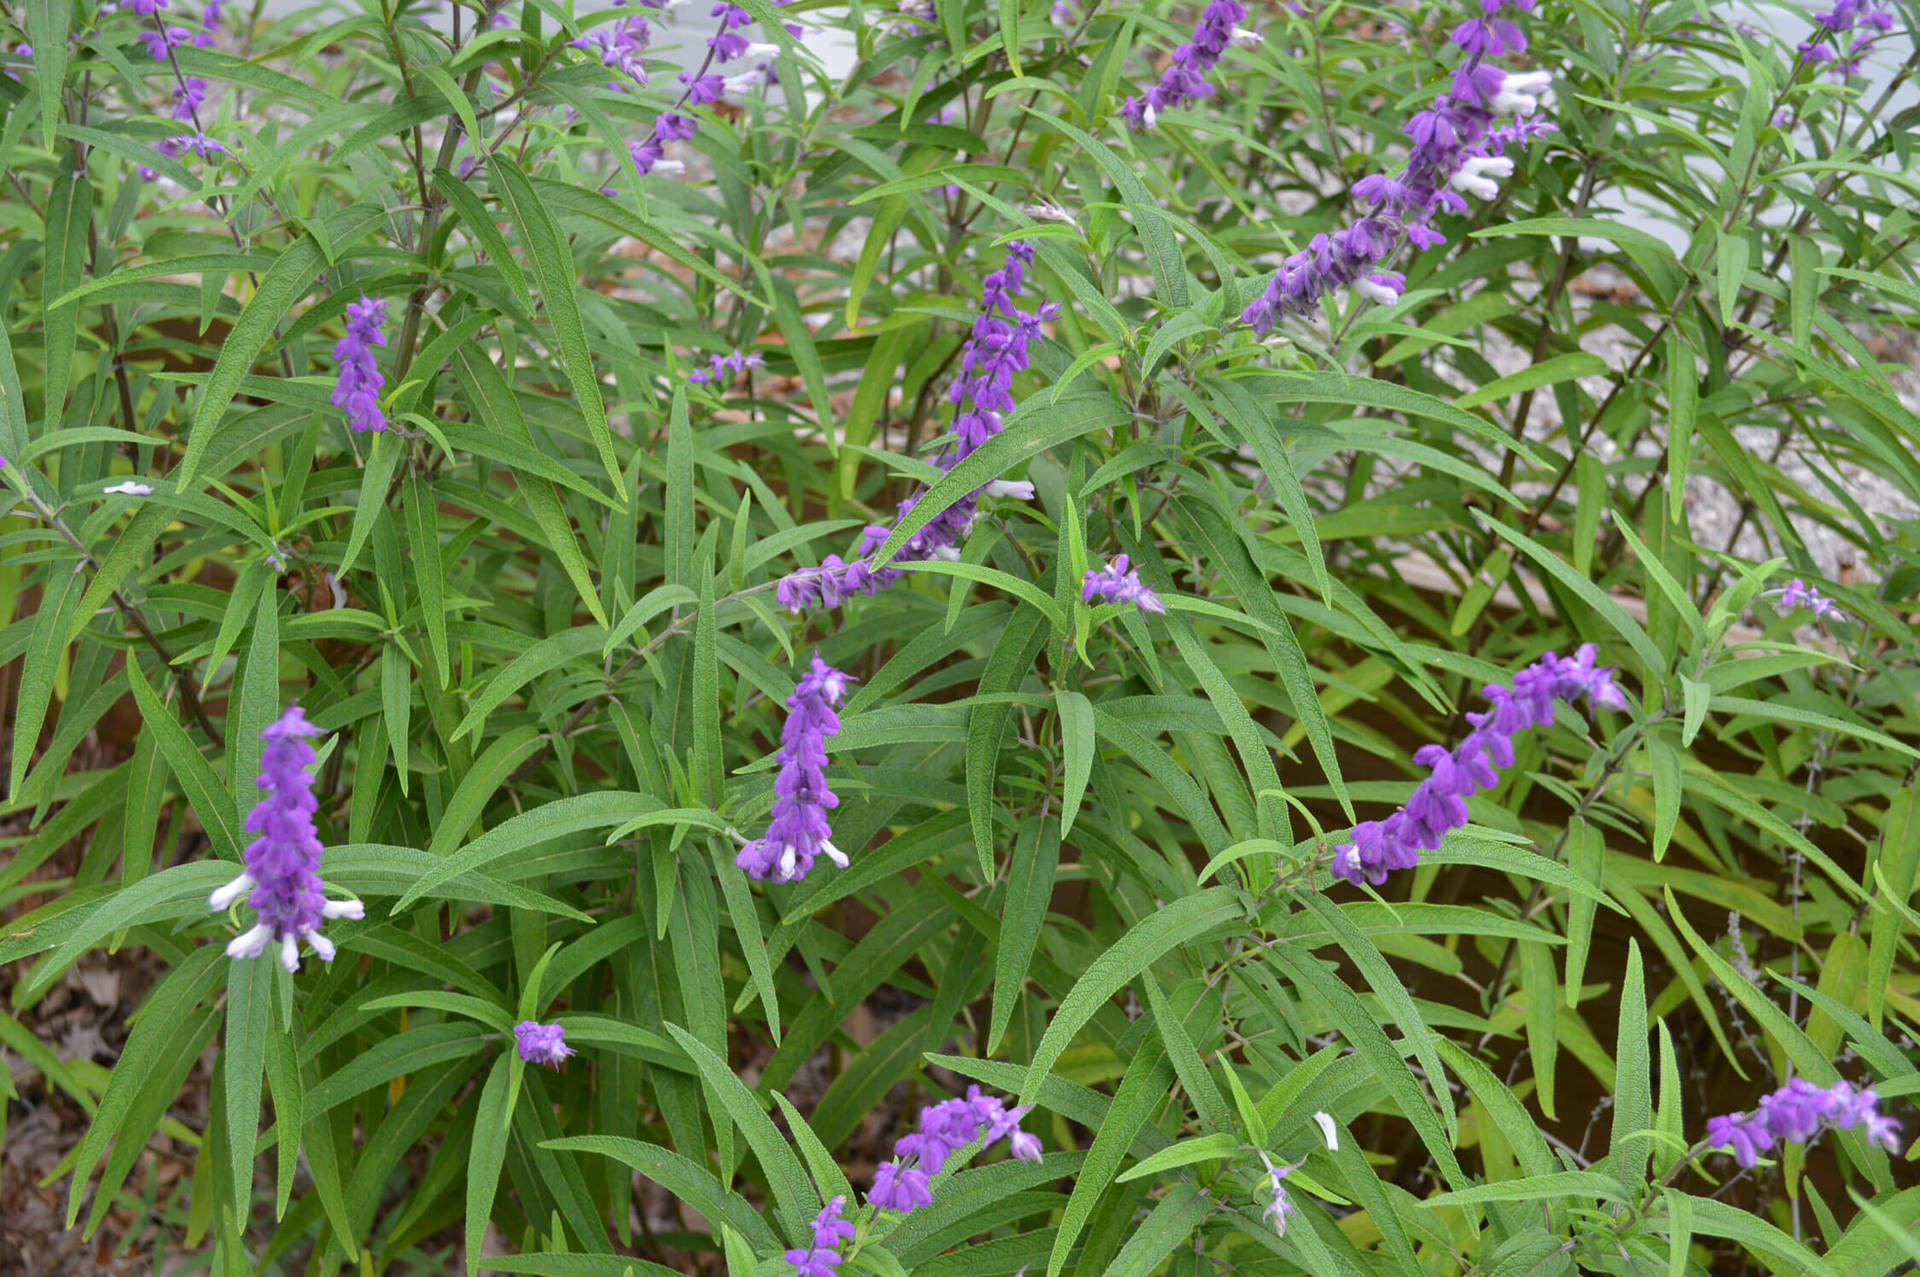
[963, 638]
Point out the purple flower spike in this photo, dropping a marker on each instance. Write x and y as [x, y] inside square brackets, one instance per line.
[541, 1043]
[358, 390]
[1799, 1111]
[946, 1128]
[1185, 79]
[1438, 804]
[283, 863]
[1457, 151]
[798, 831]
[1116, 584]
[996, 350]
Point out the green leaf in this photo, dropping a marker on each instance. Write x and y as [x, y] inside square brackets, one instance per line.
[1173, 1220]
[1163, 250]
[1547, 372]
[1592, 595]
[423, 540]
[686, 1179]
[549, 654]
[1718, 1219]
[546, 248]
[46, 648]
[1030, 875]
[285, 283]
[1633, 1079]
[793, 1192]
[597, 810]
[492, 1131]
[1076, 748]
[1150, 939]
[249, 1001]
[1730, 270]
[69, 214]
[1572, 1185]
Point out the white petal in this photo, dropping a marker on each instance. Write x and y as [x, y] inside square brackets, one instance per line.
[1375, 292]
[761, 51]
[1019, 489]
[130, 489]
[1328, 1129]
[343, 909]
[250, 944]
[788, 862]
[1245, 39]
[222, 900]
[834, 854]
[1148, 115]
[667, 168]
[322, 947]
[290, 953]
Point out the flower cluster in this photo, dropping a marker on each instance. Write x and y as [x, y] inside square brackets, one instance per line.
[1457, 151]
[541, 1043]
[1439, 803]
[728, 44]
[358, 390]
[1798, 594]
[1842, 18]
[1116, 584]
[994, 352]
[945, 1129]
[1185, 79]
[619, 46]
[718, 366]
[798, 830]
[188, 96]
[1798, 1111]
[830, 1232]
[283, 863]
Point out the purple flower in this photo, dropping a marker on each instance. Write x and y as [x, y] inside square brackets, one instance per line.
[718, 366]
[702, 89]
[187, 97]
[829, 1232]
[994, 352]
[1799, 1111]
[358, 390]
[675, 128]
[648, 157]
[1438, 804]
[283, 863]
[147, 8]
[1457, 151]
[619, 46]
[1185, 79]
[1278, 1207]
[946, 1128]
[798, 830]
[541, 1043]
[161, 39]
[1116, 584]
[1798, 594]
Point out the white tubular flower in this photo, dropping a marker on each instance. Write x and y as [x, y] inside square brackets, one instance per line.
[223, 899]
[1374, 292]
[129, 488]
[1329, 1130]
[352, 909]
[290, 952]
[761, 51]
[250, 944]
[1245, 39]
[1521, 94]
[669, 168]
[1476, 175]
[834, 854]
[322, 947]
[1148, 115]
[1019, 489]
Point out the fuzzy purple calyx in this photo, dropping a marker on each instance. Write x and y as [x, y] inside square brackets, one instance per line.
[1115, 583]
[944, 1129]
[1799, 1111]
